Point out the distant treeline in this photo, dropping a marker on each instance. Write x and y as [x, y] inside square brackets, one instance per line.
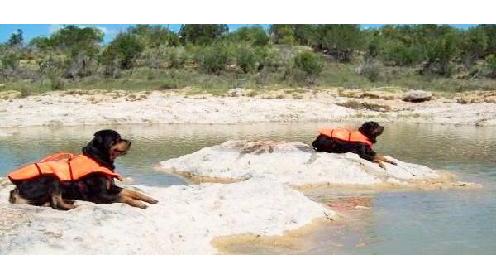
[280, 54]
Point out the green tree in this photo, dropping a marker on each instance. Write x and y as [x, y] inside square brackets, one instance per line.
[152, 36]
[16, 39]
[309, 64]
[491, 65]
[473, 45]
[74, 40]
[212, 59]
[202, 34]
[305, 34]
[9, 60]
[246, 59]
[442, 46]
[490, 31]
[339, 40]
[123, 50]
[282, 34]
[254, 35]
[41, 43]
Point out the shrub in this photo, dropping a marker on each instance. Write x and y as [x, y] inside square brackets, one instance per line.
[212, 59]
[339, 40]
[371, 70]
[176, 57]
[491, 65]
[202, 34]
[309, 63]
[246, 59]
[125, 49]
[254, 35]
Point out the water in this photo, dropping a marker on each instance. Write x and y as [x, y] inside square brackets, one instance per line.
[441, 222]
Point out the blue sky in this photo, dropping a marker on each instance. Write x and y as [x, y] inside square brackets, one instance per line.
[110, 30]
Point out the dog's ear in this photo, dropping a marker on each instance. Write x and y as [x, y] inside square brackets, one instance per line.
[105, 139]
[365, 128]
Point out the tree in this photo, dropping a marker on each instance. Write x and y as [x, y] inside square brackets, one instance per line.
[246, 59]
[202, 34]
[473, 45]
[212, 59]
[339, 40]
[309, 64]
[491, 65]
[75, 40]
[440, 50]
[153, 36]
[124, 50]
[282, 34]
[305, 34]
[490, 31]
[402, 45]
[41, 43]
[16, 39]
[254, 35]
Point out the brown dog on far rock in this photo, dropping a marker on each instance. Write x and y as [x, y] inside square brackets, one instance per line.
[59, 179]
[341, 140]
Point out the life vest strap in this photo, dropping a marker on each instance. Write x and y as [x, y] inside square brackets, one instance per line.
[38, 168]
[70, 169]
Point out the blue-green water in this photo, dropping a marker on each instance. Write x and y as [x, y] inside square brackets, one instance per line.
[439, 222]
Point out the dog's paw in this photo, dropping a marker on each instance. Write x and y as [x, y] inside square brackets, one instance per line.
[393, 163]
[153, 201]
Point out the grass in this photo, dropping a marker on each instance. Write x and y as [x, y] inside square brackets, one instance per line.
[393, 79]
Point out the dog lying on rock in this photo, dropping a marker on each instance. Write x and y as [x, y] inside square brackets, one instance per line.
[341, 140]
[59, 179]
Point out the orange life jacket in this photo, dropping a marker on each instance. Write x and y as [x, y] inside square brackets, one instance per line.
[345, 135]
[66, 166]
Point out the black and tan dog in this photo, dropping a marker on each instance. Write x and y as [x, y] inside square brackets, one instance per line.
[340, 140]
[91, 177]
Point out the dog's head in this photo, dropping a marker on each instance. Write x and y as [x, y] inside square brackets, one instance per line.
[106, 146]
[371, 130]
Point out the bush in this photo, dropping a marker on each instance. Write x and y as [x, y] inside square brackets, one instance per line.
[339, 40]
[491, 65]
[125, 49]
[246, 59]
[309, 63]
[212, 59]
[56, 83]
[400, 54]
[202, 34]
[255, 36]
[283, 34]
[176, 57]
[371, 70]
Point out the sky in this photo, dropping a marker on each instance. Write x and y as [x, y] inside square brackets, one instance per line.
[111, 30]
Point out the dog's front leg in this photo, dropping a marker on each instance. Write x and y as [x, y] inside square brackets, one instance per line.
[135, 198]
[380, 160]
[126, 197]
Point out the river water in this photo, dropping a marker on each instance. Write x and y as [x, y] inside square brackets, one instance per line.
[439, 222]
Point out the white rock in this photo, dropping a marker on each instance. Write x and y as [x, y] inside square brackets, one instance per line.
[293, 163]
[185, 220]
[417, 96]
[75, 110]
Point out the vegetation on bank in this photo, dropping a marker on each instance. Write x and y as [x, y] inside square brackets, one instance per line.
[209, 57]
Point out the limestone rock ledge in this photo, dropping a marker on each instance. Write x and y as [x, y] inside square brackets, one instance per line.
[185, 220]
[296, 164]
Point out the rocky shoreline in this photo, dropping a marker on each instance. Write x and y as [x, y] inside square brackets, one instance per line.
[74, 108]
[259, 189]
